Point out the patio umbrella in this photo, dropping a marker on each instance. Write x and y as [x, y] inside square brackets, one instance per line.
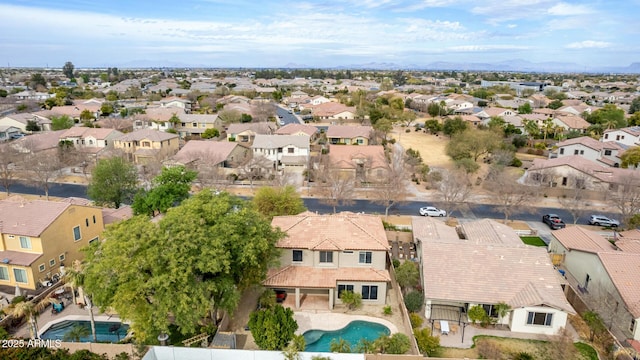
[18, 291]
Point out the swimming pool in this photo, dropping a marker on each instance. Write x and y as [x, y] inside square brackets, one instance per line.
[106, 331]
[320, 340]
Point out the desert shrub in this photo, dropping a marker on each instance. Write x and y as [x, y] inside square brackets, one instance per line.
[416, 320]
[516, 162]
[351, 299]
[477, 314]
[413, 301]
[395, 262]
[427, 343]
[387, 310]
[523, 356]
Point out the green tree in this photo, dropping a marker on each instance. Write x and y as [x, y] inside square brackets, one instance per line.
[609, 116]
[340, 345]
[351, 299]
[86, 115]
[106, 109]
[67, 69]
[397, 343]
[434, 109]
[634, 120]
[270, 201]
[167, 190]
[246, 118]
[407, 275]
[37, 80]
[630, 158]
[113, 182]
[187, 266]
[454, 126]
[61, 122]
[472, 143]
[596, 325]
[525, 108]
[427, 343]
[555, 104]
[272, 328]
[433, 126]
[413, 301]
[635, 105]
[477, 314]
[210, 133]
[502, 308]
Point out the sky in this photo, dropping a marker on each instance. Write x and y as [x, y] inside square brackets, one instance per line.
[323, 33]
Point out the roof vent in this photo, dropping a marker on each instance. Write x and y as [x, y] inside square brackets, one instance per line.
[5, 261]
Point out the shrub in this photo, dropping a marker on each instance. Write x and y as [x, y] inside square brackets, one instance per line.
[267, 299]
[407, 130]
[523, 356]
[387, 310]
[539, 152]
[516, 162]
[395, 262]
[351, 299]
[477, 314]
[17, 299]
[416, 320]
[530, 151]
[413, 301]
[427, 343]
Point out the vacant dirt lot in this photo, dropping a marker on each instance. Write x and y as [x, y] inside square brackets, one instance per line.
[431, 147]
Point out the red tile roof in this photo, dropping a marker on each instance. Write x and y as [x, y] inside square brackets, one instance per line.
[17, 217]
[309, 277]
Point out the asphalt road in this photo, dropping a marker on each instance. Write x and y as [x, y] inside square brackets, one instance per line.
[470, 211]
[286, 117]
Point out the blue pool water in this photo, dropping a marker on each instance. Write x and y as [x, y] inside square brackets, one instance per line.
[105, 331]
[320, 340]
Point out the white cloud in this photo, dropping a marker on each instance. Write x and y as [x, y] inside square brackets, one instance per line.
[512, 26]
[483, 48]
[588, 44]
[564, 9]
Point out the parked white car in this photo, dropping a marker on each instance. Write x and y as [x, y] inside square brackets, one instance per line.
[432, 211]
[601, 220]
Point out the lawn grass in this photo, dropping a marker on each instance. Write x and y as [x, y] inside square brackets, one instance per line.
[533, 241]
[586, 351]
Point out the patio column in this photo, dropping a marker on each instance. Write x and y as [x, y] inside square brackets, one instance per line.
[331, 299]
[297, 298]
[427, 309]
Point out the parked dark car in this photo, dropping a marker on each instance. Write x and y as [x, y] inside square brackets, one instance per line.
[554, 221]
[281, 296]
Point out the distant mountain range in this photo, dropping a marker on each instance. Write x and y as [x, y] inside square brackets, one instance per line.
[516, 65]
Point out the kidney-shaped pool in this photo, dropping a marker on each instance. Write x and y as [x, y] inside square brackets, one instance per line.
[354, 332]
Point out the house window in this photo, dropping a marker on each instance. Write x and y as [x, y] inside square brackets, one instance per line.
[20, 275]
[93, 240]
[581, 152]
[342, 288]
[365, 257]
[52, 262]
[195, 125]
[203, 125]
[279, 150]
[86, 221]
[633, 321]
[607, 152]
[41, 267]
[297, 255]
[536, 318]
[4, 273]
[94, 219]
[76, 233]
[562, 151]
[326, 256]
[564, 181]
[575, 152]
[606, 136]
[184, 124]
[146, 144]
[490, 310]
[369, 292]
[25, 242]
[290, 150]
[62, 257]
[90, 142]
[359, 141]
[617, 137]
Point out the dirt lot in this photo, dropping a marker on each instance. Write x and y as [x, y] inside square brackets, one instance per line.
[431, 147]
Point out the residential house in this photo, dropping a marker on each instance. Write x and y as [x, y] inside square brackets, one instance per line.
[198, 153]
[299, 129]
[318, 99]
[490, 265]
[334, 111]
[604, 275]
[40, 143]
[629, 136]
[246, 132]
[282, 150]
[196, 124]
[324, 255]
[38, 237]
[7, 131]
[577, 110]
[487, 113]
[606, 153]
[571, 123]
[32, 95]
[143, 146]
[176, 102]
[22, 120]
[366, 163]
[92, 140]
[349, 134]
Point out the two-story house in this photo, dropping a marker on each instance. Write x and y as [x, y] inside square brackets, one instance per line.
[176, 102]
[366, 163]
[196, 124]
[490, 265]
[333, 111]
[282, 150]
[299, 129]
[90, 139]
[324, 255]
[23, 119]
[629, 136]
[246, 132]
[146, 145]
[349, 135]
[603, 274]
[605, 153]
[37, 237]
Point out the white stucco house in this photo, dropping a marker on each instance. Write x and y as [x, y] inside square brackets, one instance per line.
[606, 153]
[629, 136]
[282, 150]
[485, 263]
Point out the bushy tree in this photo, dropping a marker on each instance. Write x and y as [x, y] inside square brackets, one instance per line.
[183, 268]
[416, 320]
[525, 108]
[273, 328]
[454, 126]
[635, 105]
[631, 157]
[340, 345]
[113, 182]
[413, 301]
[67, 69]
[351, 299]
[407, 275]
[397, 343]
[427, 343]
[168, 189]
[271, 201]
[61, 122]
[477, 314]
[210, 133]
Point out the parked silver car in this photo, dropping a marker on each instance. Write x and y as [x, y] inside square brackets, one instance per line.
[432, 211]
[601, 220]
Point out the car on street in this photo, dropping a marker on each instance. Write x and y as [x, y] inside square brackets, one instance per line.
[601, 220]
[432, 211]
[16, 136]
[554, 221]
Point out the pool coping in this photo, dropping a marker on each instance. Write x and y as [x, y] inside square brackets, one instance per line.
[333, 321]
[100, 318]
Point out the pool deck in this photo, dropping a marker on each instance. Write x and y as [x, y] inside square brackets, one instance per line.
[330, 321]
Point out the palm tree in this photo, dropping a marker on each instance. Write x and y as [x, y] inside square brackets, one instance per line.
[74, 277]
[76, 333]
[31, 310]
[502, 308]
